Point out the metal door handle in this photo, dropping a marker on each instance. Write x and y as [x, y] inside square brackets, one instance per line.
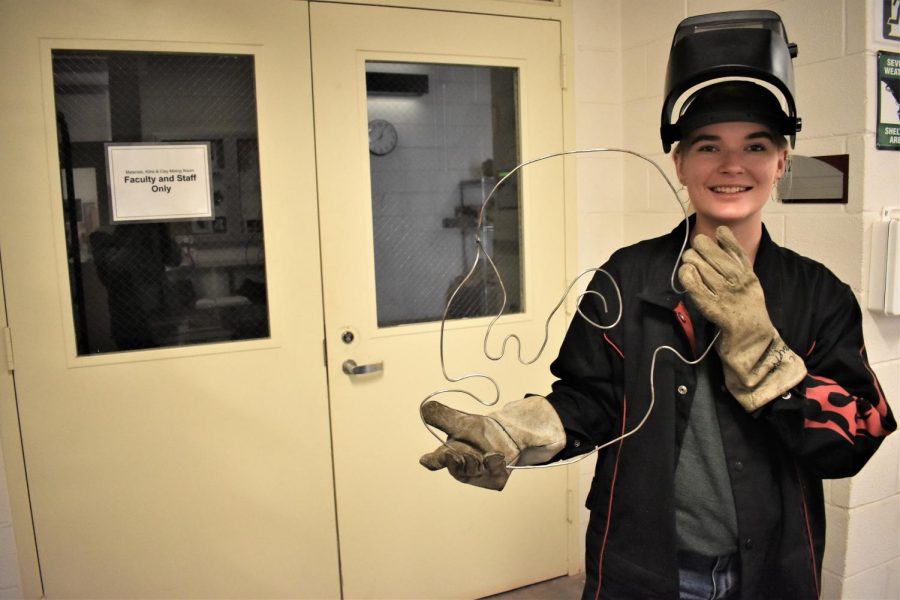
[351, 368]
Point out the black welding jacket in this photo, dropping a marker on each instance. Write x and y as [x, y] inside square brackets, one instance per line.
[828, 426]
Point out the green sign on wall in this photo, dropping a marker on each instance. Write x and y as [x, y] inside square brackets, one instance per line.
[888, 126]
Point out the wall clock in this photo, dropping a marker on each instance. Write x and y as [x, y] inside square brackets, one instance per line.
[382, 137]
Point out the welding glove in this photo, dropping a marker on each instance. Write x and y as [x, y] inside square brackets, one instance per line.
[524, 432]
[758, 365]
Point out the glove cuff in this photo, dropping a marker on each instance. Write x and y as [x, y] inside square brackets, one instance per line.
[778, 371]
[534, 426]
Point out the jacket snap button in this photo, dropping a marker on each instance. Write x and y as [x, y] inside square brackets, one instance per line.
[576, 443]
[738, 465]
[748, 543]
[682, 390]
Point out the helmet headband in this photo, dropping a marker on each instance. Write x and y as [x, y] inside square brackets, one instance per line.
[733, 101]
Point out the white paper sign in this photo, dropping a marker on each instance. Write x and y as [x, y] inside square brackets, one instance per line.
[159, 181]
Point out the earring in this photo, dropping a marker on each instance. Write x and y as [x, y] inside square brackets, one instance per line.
[682, 195]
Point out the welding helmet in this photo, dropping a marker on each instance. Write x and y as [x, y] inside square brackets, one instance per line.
[750, 51]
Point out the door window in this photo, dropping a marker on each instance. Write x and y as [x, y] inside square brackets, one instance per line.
[440, 138]
[164, 279]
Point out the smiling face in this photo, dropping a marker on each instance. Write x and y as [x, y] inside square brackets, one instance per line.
[729, 170]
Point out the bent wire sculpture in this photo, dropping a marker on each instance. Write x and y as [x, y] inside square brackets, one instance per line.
[482, 254]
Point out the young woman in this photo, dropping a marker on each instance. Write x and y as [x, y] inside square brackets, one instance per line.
[719, 493]
[723, 482]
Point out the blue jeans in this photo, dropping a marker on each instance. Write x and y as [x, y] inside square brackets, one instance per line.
[708, 578]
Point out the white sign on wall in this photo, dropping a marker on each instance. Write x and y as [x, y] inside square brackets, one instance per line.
[159, 181]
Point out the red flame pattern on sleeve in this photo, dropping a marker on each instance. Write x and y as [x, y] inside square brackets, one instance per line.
[843, 413]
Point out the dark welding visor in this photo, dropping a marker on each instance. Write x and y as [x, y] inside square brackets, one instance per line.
[746, 44]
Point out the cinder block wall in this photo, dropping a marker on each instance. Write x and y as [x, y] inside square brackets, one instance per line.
[600, 187]
[621, 52]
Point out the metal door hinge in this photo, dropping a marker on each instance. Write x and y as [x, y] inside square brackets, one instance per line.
[8, 349]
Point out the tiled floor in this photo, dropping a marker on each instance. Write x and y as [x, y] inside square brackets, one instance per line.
[561, 588]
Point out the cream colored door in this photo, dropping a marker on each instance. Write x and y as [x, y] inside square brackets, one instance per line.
[406, 532]
[200, 468]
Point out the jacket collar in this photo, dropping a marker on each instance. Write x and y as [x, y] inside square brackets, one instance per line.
[766, 270]
[659, 288]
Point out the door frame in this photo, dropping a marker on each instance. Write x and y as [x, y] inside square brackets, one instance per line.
[14, 466]
[554, 10]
